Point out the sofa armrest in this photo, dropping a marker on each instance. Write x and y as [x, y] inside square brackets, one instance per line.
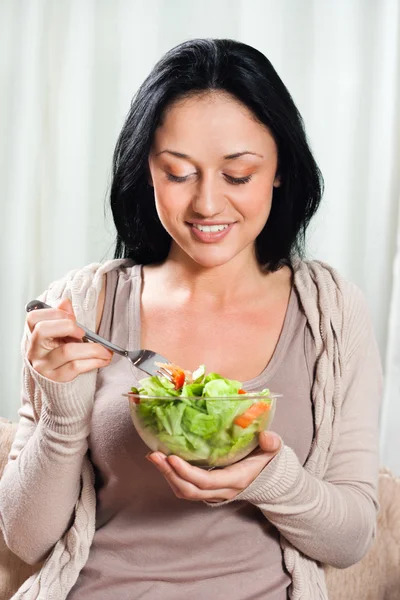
[13, 571]
[377, 575]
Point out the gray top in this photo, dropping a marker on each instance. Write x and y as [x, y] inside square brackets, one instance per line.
[148, 543]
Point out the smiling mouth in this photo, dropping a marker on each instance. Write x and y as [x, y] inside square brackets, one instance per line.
[209, 233]
[210, 228]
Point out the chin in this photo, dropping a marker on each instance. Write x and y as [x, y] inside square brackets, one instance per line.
[209, 258]
[212, 255]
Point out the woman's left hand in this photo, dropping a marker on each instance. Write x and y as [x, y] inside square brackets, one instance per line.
[192, 483]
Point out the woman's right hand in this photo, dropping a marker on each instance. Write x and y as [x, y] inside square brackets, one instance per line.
[56, 350]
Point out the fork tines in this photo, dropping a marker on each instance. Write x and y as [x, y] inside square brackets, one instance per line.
[165, 373]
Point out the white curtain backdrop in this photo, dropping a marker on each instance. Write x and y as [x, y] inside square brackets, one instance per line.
[68, 71]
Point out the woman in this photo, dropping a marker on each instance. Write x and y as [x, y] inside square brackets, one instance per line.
[214, 186]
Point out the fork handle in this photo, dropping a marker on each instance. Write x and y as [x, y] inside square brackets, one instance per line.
[89, 335]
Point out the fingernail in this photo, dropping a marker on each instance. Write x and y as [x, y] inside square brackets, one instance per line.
[154, 457]
[275, 440]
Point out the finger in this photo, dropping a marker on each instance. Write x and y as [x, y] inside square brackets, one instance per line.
[201, 478]
[66, 306]
[160, 461]
[46, 314]
[48, 334]
[270, 441]
[185, 489]
[155, 462]
[181, 488]
[76, 367]
[237, 476]
[58, 328]
[71, 370]
[70, 360]
[73, 352]
[232, 477]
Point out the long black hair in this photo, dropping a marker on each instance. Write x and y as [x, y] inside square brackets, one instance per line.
[194, 67]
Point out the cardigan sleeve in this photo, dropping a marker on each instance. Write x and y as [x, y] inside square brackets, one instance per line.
[333, 520]
[42, 480]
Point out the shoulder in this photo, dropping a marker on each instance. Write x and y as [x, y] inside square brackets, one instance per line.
[83, 287]
[331, 300]
[318, 281]
[327, 295]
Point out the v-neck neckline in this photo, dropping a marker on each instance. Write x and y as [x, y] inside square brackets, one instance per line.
[281, 346]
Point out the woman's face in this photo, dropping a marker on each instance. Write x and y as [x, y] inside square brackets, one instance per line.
[213, 168]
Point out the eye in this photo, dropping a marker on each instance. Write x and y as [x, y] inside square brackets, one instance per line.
[232, 180]
[175, 178]
[238, 180]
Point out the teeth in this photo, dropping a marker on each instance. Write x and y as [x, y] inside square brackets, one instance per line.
[210, 228]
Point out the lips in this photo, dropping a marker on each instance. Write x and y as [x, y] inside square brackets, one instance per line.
[210, 228]
[210, 232]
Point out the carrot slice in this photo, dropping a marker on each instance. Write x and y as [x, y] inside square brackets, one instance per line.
[245, 419]
[242, 391]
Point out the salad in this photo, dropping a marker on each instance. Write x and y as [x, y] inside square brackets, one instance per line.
[205, 419]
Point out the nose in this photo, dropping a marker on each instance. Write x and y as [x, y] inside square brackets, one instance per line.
[209, 199]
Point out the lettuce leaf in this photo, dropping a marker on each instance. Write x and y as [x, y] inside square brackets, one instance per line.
[200, 423]
[157, 386]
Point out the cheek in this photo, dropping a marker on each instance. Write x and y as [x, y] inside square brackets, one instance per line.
[256, 203]
[170, 201]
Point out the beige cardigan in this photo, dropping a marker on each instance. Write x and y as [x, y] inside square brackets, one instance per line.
[318, 502]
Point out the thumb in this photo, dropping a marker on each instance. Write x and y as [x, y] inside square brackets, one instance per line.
[270, 441]
[66, 306]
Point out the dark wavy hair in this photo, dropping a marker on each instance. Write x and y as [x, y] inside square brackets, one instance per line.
[194, 67]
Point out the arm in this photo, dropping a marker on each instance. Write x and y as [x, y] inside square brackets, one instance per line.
[41, 482]
[333, 520]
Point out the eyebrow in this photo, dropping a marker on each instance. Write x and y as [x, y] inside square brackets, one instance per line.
[227, 157]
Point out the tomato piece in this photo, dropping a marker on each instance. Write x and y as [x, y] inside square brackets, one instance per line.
[179, 379]
[242, 391]
[246, 418]
[178, 374]
[135, 399]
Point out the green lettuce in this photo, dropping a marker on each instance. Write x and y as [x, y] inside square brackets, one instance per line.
[197, 421]
[157, 386]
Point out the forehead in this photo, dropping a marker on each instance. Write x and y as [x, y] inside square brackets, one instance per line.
[211, 123]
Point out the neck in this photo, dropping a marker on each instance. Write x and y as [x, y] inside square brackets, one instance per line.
[235, 280]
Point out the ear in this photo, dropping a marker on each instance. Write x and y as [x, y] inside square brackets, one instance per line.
[277, 181]
[149, 177]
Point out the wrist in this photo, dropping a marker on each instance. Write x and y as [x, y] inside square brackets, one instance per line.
[65, 407]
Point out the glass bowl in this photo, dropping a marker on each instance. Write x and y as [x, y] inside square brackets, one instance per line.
[206, 432]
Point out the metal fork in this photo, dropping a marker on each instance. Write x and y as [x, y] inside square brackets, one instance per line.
[145, 360]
